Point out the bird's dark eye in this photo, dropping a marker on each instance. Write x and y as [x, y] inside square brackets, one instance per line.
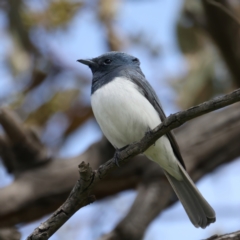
[107, 61]
[135, 60]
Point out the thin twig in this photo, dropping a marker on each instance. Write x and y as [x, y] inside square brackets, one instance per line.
[80, 195]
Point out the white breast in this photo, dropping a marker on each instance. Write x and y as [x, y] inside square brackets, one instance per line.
[122, 112]
[125, 115]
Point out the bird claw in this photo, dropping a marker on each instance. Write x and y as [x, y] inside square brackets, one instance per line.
[148, 133]
[116, 155]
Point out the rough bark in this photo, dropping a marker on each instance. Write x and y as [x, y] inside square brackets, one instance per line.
[205, 143]
[80, 195]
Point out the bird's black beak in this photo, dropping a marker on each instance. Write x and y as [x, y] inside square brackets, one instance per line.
[88, 62]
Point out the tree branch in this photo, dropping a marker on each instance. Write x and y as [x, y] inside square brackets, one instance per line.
[205, 143]
[229, 236]
[212, 140]
[79, 196]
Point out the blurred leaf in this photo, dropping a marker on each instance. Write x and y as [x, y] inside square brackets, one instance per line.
[61, 101]
[195, 6]
[58, 14]
[107, 12]
[188, 36]
[197, 86]
[37, 78]
[207, 75]
[77, 116]
[19, 31]
[142, 40]
[19, 59]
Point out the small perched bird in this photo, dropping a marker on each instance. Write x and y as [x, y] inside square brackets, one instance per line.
[126, 107]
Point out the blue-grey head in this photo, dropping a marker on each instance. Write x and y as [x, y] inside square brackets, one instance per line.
[109, 65]
[110, 61]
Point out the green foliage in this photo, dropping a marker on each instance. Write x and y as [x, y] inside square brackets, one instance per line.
[34, 71]
[57, 14]
[60, 102]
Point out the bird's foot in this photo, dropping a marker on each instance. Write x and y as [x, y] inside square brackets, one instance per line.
[116, 155]
[148, 133]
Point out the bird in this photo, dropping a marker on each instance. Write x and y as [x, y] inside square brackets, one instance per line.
[126, 107]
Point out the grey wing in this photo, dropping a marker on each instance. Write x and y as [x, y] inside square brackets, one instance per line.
[139, 79]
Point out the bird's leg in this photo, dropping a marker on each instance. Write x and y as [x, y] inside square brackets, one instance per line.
[116, 154]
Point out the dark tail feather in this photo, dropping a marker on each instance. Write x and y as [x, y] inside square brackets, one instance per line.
[198, 209]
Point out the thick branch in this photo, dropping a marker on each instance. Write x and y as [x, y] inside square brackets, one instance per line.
[78, 197]
[46, 229]
[205, 143]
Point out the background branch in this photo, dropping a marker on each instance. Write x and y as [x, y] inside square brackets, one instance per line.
[224, 9]
[10, 233]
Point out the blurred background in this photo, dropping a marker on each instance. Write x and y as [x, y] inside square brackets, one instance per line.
[189, 52]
